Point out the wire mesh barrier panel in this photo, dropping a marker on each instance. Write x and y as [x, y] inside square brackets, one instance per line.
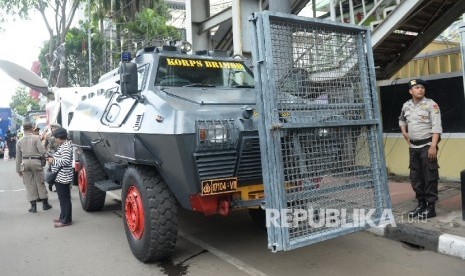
[323, 167]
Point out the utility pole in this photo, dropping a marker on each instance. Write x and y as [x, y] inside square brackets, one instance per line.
[111, 33]
[89, 42]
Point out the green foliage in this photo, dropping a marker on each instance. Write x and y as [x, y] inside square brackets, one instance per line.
[138, 23]
[16, 8]
[77, 51]
[151, 24]
[77, 57]
[21, 101]
[44, 69]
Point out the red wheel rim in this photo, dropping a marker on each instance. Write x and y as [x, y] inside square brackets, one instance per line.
[134, 211]
[82, 182]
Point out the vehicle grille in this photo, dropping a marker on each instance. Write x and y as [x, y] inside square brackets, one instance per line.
[246, 165]
[213, 165]
[249, 165]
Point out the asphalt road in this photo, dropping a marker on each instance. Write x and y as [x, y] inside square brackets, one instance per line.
[96, 245]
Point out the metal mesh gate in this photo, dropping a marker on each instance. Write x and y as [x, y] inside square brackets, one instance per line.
[320, 130]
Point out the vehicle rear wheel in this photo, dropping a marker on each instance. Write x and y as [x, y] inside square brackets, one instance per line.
[90, 171]
[149, 214]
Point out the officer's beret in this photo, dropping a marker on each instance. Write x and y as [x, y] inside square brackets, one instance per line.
[28, 126]
[60, 133]
[414, 82]
[55, 125]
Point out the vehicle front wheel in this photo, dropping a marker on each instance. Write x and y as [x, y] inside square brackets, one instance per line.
[90, 171]
[149, 214]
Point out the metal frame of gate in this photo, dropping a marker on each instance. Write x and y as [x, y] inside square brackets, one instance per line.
[319, 126]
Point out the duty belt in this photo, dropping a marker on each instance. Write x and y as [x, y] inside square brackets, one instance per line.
[423, 141]
[32, 157]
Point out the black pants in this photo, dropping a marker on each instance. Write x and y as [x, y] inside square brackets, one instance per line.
[12, 152]
[64, 196]
[424, 175]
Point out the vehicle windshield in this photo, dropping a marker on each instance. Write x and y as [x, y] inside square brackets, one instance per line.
[186, 72]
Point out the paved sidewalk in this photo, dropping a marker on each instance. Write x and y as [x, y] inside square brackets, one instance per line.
[444, 233]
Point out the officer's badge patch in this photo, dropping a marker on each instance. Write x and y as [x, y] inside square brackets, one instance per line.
[413, 82]
[436, 108]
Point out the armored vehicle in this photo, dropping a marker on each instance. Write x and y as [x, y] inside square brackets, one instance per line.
[169, 128]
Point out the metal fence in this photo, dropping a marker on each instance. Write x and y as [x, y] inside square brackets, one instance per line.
[321, 128]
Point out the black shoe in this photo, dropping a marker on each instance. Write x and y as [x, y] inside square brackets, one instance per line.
[418, 210]
[33, 207]
[50, 187]
[429, 212]
[46, 205]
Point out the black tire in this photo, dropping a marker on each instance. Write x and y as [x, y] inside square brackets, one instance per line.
[75, 178]
[146, 196]
[258, 216]
[90, 171]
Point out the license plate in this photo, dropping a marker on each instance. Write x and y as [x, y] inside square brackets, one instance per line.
[219, 186]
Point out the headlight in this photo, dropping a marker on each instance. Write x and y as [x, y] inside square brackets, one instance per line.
[216, 134]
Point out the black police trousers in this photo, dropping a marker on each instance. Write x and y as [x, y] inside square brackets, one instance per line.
[64, 196]
[424, 175]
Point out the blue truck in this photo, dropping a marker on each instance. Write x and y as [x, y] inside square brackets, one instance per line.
[5, 121]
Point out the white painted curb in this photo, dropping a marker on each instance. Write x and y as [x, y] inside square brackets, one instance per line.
[452, 245]
[378, 230]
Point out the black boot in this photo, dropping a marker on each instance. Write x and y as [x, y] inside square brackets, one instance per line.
[45, 204]
[419, 209]
[33, 207]
[429, 212]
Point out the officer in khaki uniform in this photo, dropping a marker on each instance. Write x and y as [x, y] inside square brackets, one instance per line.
[420, 123]
[29, 151]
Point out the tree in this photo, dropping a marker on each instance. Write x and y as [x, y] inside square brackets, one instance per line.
[21, 102]
[77, 57]
[63, 11]
[137, 24]
[151, 24]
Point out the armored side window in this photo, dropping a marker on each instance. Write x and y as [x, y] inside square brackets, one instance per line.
[110, 91]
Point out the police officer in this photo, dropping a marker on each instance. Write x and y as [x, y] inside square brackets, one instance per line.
[50, 144]
[29, 152]
[420, 123]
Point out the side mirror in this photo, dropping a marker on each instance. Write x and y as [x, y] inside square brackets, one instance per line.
[128, 78]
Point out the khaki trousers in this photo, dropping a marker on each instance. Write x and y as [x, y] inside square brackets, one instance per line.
[33, 179]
